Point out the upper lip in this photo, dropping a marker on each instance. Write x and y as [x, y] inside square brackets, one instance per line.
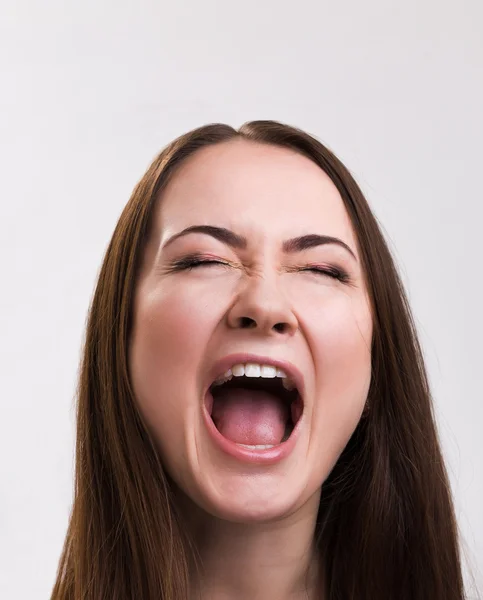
[222, 365]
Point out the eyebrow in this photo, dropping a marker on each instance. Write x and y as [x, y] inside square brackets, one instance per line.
[291, 246]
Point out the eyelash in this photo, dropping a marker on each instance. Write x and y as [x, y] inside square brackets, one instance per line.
[189, 263]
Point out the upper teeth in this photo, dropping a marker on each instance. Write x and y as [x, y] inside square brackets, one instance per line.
[255, 370]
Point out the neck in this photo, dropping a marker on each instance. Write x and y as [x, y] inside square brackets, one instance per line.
[256, 560]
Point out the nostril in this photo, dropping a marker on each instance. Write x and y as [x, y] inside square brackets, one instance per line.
[247, 323]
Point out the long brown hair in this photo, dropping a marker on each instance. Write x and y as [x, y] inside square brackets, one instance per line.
[386, 527]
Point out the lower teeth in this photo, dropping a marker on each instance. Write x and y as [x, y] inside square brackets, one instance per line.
[257, 447]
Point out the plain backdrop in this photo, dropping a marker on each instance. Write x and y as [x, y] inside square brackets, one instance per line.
[90, 93]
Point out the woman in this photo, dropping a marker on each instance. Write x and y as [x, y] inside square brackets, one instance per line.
[254, 416]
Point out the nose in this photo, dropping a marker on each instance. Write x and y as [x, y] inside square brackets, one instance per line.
[260, 305]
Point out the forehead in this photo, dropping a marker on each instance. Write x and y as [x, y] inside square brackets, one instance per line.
[258, 190]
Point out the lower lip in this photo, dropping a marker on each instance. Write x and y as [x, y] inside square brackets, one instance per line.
[268, 456]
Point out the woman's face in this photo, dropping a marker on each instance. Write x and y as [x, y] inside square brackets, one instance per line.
[187, 320]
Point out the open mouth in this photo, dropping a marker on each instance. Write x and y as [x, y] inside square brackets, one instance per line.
[254, 412]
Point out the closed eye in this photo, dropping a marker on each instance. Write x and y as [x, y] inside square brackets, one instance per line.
[330, 272]
[191, 262]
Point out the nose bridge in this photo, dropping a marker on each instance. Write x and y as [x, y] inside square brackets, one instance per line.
[262, 304]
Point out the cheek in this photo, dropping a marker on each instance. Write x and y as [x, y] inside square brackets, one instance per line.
[342, 348]
[345, 347]
[170, 331]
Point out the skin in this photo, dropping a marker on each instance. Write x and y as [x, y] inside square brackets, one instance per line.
[253, 525]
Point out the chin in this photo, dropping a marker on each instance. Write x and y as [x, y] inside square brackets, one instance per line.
[255, 500]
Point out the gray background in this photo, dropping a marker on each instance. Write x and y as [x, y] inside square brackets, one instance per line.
[92, 90]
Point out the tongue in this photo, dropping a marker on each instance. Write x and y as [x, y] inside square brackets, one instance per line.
[249, 416]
